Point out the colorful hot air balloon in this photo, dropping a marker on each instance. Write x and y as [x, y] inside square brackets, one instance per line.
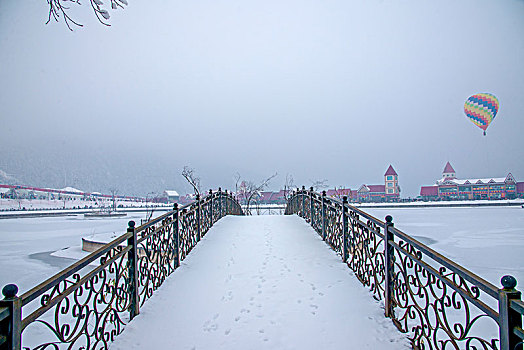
[481, 109]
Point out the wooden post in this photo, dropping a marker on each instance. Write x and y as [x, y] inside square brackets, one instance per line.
[132, 258]
[389, 253]
[509, 318]
[11, 326]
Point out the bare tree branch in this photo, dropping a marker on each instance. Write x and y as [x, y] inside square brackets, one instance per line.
[249, 191]
[113, 192]
[319, 184]
[58, 9]
[192, 178]
[237, 181]
[288, 186]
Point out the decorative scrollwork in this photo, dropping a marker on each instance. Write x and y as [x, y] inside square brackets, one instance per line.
[367, 254]
[333, 229]
[91, 307]
[433, 303]
[88, 310]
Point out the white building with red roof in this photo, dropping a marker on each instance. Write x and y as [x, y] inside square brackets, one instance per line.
[449, 187]
[388, 192]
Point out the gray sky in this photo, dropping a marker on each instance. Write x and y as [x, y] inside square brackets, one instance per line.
[318, 89]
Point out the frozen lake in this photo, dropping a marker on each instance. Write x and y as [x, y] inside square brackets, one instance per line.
[488, 241]
[26, 244]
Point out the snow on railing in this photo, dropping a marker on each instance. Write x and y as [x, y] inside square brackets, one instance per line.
[436, 302]
[87, 305]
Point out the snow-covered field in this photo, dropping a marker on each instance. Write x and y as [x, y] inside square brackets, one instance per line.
[261, 282]
[34, 204]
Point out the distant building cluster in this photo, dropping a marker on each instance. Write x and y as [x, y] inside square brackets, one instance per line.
[451, 188]
[448, 187]
[388, 192]
[67, 193]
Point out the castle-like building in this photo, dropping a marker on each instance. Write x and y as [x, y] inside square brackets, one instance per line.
[449, 187]
[388, 192]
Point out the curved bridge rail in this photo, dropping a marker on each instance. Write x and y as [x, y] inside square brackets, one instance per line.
[438, 303]
[87, 305]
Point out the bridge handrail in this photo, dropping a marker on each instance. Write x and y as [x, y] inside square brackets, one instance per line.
[436, 301]
[93, 303]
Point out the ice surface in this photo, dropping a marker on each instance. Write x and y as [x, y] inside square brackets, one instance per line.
[261, 282]
[488, 241]
[21, 239]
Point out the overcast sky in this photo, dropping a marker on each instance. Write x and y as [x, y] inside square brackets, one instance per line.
[334, 90]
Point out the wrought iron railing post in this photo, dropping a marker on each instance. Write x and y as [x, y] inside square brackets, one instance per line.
[345, 228]
[303, 212]
[311, 207]
[176, 229]
[210, 207]
[324, 215]
[198, 211]
[508, 318]
[389, 268]
[219, 202]
[11, 326]
[132, 259]
[226, 199]
[294, 203]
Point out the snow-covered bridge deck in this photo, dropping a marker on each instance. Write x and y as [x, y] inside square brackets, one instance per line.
[261, 282]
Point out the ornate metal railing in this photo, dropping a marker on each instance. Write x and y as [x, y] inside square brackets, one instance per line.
[436, 302]
[87, 305]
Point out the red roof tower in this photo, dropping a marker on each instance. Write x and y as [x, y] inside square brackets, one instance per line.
[449, 172]
[448, 168]
[391, 171]
[391, 187]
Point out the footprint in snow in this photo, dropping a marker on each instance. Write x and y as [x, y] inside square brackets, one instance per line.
[209, 326]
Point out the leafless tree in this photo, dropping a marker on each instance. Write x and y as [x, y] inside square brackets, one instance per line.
[248, 191]
[19, 199]
[340, 192]
[238, 181]
[59, 9]
[113, 192]
[194, 180]
[149, 214]
[288, 186]
[319, 184]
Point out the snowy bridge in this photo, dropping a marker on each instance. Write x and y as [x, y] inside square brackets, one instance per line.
[264, 282]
